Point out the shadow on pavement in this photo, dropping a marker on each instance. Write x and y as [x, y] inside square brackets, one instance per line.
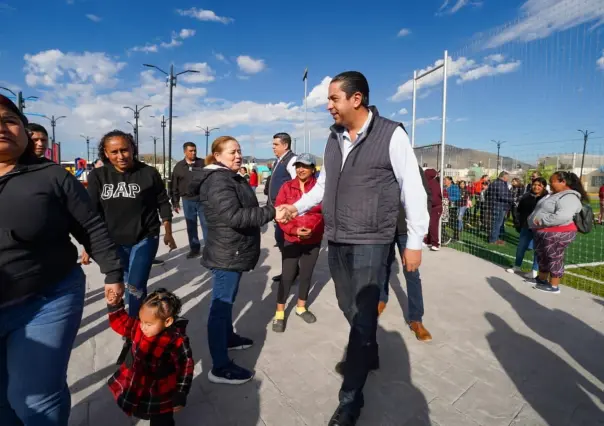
[584, 344]
[558, 393]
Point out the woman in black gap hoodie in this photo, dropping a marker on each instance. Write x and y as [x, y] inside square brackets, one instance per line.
[128, 195]
[41, 284]
[234, 219]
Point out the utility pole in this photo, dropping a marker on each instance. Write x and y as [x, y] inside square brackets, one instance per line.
[88, 139]
[207, 132]
[154, 151]
[499, 143]
[585, 134]
[19, 97]
[135, 130]
[305, 79]
[53, 122]
[172, 84]
[137, 113]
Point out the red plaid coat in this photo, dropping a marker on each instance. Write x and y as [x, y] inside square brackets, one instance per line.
[157, 373]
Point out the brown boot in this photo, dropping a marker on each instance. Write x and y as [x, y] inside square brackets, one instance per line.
[420, 331]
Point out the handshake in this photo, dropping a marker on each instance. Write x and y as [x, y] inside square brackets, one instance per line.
[285, 213]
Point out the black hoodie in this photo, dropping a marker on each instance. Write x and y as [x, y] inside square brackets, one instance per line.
[129, 201]
[41, 204]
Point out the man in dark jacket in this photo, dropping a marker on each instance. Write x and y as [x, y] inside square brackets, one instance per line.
[192, 208]
[498, 200]
[415, 296]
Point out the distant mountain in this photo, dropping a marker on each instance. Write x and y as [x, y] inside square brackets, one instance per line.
[463, 158]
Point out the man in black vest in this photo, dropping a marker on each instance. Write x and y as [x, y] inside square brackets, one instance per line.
[369, 170]
[182, 176]
[283, 171]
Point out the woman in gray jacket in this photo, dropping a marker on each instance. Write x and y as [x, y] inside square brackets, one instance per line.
[554, 228]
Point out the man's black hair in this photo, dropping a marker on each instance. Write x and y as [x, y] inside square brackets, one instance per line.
[187, 145]
[35, 127]
[352, 82]
[284, 138]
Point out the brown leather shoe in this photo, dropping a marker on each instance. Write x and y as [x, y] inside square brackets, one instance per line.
[420, 331]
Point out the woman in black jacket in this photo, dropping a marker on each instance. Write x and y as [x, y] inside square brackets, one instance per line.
[41, 284]
[128, 195]
[234, 219]
[526, 205]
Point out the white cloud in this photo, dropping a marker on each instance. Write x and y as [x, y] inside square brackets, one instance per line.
[205, 74]
[318, 94]
[426, 120]
[175, 41]
[94, 18]
[541, 18]
[204, 15]
[462, 67]
[404, 32]
[220, 57]
[50, 67]
[600, 62]
[488, 70]
[498, 57]
[460, 4]
[250, 65]
[403, 111]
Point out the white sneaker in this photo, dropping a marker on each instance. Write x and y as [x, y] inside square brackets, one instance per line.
[513, 270]
[534, 274]
[433, 248]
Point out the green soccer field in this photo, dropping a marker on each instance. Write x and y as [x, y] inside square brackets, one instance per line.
[584, 257]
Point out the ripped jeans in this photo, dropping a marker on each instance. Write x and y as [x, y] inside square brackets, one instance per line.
[137, 261]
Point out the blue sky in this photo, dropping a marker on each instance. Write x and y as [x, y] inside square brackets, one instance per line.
[530, 72]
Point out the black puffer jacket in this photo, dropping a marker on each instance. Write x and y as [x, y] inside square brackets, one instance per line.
[234, 219]
[526, 205]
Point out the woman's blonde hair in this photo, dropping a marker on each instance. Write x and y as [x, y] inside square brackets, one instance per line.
[218, 147]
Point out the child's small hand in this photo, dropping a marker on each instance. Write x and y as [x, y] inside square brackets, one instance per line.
[112, 298]
[177, 409]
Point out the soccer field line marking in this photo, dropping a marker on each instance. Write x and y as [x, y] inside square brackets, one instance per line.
[527, 261]
[583, 265]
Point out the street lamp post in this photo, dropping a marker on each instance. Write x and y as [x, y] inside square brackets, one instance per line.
[20, 99]
[136, 112]
[88, 139]
[172, 84]
[207, 132]
[135, 130]
[499, 143]
[163, 130]
[585, 134]
[154, 150]
[53, 122]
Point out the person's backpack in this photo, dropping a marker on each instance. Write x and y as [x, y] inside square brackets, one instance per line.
[584, 220]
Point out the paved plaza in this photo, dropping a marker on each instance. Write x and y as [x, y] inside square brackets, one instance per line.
[503, 353]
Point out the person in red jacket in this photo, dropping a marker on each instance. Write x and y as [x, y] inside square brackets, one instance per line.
[254, 180]
[303, 236]
[601, 204]
[155, 378]
[436, 209]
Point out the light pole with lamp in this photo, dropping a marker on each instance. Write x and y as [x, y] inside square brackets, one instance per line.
[53, 122]
[19, 98]
[207, 132]
[137, 113]
[88, 139]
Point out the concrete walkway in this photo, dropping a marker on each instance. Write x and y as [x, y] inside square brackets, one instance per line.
[503, 353]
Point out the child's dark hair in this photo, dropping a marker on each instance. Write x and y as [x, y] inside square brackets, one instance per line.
[167, 303]
[116, 134]
[573, 182]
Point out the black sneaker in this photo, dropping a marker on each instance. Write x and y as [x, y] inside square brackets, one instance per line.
[547, 288]
[193, 254]
[239, 343]
[156, 262]
[307, 316]
[344, 416]
[277, 277]
[232, 374]
[278, 325]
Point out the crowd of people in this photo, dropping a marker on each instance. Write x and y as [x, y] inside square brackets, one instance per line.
[119, 217]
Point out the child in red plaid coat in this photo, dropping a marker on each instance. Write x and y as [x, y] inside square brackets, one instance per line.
[153, 381]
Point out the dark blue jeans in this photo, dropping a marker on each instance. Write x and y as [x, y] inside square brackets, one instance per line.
[225, 286]
[193, 209]
[36, 337]
[525, 242]
[414, 283]
[497, 225]
[358, 273]
[137, 262]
